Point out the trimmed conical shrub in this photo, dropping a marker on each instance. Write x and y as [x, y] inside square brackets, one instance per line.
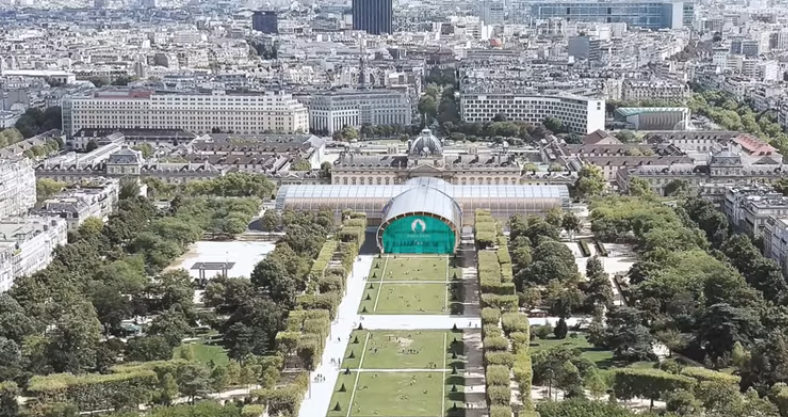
[453, 370]
[355, 340]
[454, 355]
[337, 407]
[374, 275]
[342, 389]
[453, 407]
[368, 298]
[364, 309]
[347, 371]
[371, 286]
[352, 354]
[360, 327]
[454, 388]
[454, 327]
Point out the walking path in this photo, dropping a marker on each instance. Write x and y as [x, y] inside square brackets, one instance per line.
[316, 404]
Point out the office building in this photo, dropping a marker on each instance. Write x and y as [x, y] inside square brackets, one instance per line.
[579, 114]
[585, 48]
[330, 112]
[654, 89]
[265, 21]
[492, 12]
[373, 16]
[649, 14]
[199, 113]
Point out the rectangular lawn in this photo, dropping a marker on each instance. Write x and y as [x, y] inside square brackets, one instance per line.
[404, 349]
[413, 268]
[408, 299]
[391, 394]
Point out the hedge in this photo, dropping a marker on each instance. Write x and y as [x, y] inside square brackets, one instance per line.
[497, 375]
[489, 330]
[330, 283]
[647, 383]
[504, 302]
[491, 316]
[89, 392]
[498, 288]
[323, 258]
[500, 411]
[349, 254]
[496, 344]
[521, 341]
[584, 248]
[499, 358]
[497, 395]
[703, 374]
[328, 301]
[252, 410]
[514, 322]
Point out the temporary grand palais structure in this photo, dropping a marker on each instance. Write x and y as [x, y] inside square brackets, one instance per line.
[424, 213]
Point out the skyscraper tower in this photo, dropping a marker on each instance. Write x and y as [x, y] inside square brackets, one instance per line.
[373, 16]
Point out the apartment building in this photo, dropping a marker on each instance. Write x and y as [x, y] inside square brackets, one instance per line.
[199, 113]
[330, 112]
[775, 240]
[93, 197]
[26, 246]
[579, 114]
[664, 89]
[17, 186]
[749, 208]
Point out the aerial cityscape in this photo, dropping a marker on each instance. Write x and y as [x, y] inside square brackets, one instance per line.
[390, 208]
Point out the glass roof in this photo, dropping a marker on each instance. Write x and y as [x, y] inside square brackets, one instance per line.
[386, 192]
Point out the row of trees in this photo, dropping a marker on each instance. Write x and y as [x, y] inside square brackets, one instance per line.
[235, 184]
[739, 116]
[35, 121]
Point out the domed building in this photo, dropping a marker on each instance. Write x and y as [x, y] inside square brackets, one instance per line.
[425, 156]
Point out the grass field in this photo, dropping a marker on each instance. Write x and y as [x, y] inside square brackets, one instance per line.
[405, 299]
[411, 268]
[601, 357]
[203, 353]
[400, 394]
[406, 349]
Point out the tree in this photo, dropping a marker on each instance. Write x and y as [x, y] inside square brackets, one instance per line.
[325, 170]
[561, 329]
[129, 188]
[9, 405]
[46, 188]
[677, 187]
[682, 402]
[219, 378]
[595, 384]
[640, 187]
[148, 348]
[530, 167]
[91, 146]
[145, 149]
[722, 325]
[428, 106]
[626, 335]
[273, 279]
[74, 339]
[672, 339]
[193, 381]
[301, 165]
[554, 216]
[553, 124]
[252, 327]
[171, 325]
[570, 223]
[168, 389]
[271, 221]
[590, 182]
[626, 136]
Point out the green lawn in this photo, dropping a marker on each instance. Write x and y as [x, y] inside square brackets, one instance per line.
[601, 357]
[203, 353]
[405, 349]
[400, 394]
[410, 268]
[405, 299]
